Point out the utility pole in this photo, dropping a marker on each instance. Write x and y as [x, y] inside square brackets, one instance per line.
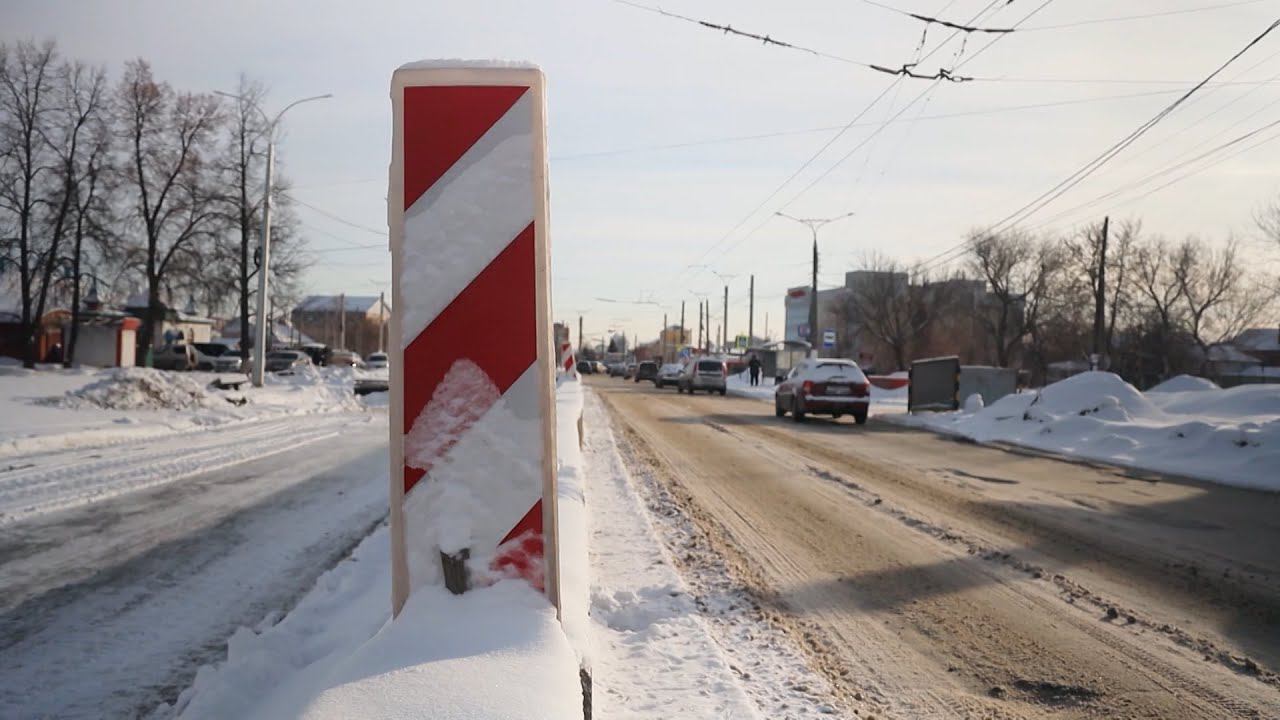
[766, 325]
[1100, 301]
[813, 224]
[264, 252]
[681, 341]
[699, 324]
[664, 337]
[382, 322]
[724, 334]
[751, 311]
[582, 343]
[342, 321]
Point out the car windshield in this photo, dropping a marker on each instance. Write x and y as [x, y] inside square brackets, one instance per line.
[214, 349]
[283, 356]
[378, 356]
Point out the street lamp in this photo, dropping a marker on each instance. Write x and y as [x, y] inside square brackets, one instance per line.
[813, 224]
[264, 263]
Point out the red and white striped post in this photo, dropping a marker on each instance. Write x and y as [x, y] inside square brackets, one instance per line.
[472, 374]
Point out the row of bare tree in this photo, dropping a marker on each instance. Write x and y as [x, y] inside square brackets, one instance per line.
[1146, 306]
[131, 185]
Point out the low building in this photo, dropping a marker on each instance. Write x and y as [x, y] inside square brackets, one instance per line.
[177, 325]
[349, 322]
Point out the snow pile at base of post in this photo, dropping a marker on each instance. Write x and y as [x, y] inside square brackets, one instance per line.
[1184, 428]
[494, 653]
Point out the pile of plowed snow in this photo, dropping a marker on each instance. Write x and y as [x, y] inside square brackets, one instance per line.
[140, 389]
[1185, 427]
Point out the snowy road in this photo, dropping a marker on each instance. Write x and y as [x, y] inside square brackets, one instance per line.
[110, 604]
[931, 578]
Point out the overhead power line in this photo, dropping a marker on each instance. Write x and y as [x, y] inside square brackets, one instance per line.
[938, 21]
[1146, 16]
[336, 218]
[1024, 212]
[905, 71]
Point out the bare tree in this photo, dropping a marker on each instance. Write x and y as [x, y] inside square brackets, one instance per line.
[73, 133]
[26, 100]
[1159, 293]
[1220, 297]
[169, 139]
[895, 305]
[1016, 273]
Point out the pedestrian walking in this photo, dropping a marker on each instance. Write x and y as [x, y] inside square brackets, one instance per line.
[754, 367]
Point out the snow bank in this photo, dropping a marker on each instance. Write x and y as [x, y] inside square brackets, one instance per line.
[1225, 436]
[1184, 383]
[139, 389]
[54, 409]
[495, 653]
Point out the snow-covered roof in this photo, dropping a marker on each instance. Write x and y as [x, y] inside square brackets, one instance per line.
[1227, 352]
[354, 303]
[1266, 339]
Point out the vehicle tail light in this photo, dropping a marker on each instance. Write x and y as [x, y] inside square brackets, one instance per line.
[808, 387]
[860, 390]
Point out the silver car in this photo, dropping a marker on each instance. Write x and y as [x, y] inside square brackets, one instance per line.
[704, 374]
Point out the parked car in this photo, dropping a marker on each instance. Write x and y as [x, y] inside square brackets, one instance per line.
[282, 360]
[317, 352]
[600, 368]
[174, 357]
[820, 386]
[668, 374]
[343, 358]
[618, 370]
[215, 357]
[647, 370]
[586, 368]
[377, 361]
[630, 372]
[704, 374]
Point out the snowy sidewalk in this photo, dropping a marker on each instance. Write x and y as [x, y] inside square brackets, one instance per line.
[651, 653]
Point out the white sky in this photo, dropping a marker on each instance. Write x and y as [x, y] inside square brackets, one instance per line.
[627, 225]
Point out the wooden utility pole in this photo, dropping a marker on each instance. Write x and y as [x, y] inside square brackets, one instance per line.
[342, 321]
[700, 324]
[681, 340]
[724, 323]
[581, 341]
[664, 337]
[1100, 300]
[751, 311]
[382, 321]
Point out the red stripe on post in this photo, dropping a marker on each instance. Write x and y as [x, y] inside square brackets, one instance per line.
[492, 323]
[441, 123]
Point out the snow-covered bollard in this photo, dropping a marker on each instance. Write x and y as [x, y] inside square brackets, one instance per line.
[974, 403]
[472, 378]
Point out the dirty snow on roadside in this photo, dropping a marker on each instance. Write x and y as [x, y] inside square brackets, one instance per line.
[1186, 426]
[664, 644]
[70, 437]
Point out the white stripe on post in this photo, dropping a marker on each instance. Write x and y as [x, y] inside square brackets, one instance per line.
[472, 378]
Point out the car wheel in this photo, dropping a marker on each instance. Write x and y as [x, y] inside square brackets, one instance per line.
[777, 409]
[723, 391]
[797, 413]
[860, 417]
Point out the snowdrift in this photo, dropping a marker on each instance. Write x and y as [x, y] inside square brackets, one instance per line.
[494, 653]
[1183, 427]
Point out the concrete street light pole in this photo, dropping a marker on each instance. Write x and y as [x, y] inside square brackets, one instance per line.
[813, 224]
[264, 262]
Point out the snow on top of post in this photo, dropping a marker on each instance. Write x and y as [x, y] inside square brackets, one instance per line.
[446, 63]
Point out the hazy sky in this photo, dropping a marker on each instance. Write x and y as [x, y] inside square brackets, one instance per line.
[628, 219]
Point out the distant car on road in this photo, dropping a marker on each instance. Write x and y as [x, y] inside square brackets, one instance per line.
[618, 370]
[599, 367]
[215, 357]
[668, 374]
[818, 386]
[377, 361]
[343, 358]
[174, 357]
[283, 360]
[630, 371]
[704, 374]
[585, 367]
[316, 351]
[647, 370]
